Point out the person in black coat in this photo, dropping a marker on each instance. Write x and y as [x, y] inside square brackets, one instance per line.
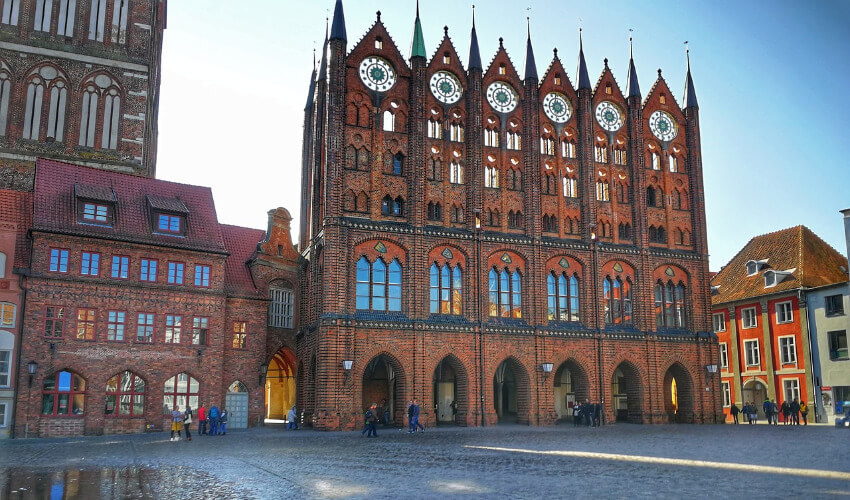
[735, 411]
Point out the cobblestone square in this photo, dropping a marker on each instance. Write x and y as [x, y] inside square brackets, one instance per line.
[497, 462]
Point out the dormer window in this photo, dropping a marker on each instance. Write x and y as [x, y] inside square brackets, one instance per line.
[96, 212]
[95, 204]
[167, 223]
[754, 266]
[773, 278]
[168, 215]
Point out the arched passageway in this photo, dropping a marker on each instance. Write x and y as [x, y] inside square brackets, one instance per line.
[626, 390]
[571, 387]
[678, 394]
[280, 384]
[383, 384]
[511, 392]
[755, 392]
[450, 390]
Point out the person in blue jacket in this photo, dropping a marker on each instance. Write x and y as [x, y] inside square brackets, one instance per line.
[222, 422]
[215, 414]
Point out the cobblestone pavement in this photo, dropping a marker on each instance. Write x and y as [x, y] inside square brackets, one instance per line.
[499, 462]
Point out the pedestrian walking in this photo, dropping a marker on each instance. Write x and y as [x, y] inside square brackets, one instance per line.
[576, 414]
[411, 426]
[292, 419]
[187, 421]
[775, 411]
[767, 406]
[804, 411]
[372, 418]
[176, 424]
[795, 411]
[213, 417]
[586, 413]
[786, 413]
[202, 420]
[416, 423]
[222, 422]
[366, 417]
[735, 411]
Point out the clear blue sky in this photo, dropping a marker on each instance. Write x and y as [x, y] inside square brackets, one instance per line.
[771, 77]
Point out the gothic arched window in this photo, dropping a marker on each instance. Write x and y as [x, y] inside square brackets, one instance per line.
[505, 293]
[617, 296]
[378, 286]
[563, 296]
[100, 112]
[671, 309]
[446, 284]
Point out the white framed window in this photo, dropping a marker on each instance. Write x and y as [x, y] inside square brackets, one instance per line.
[724, 356]
[5, 368]
[7, 314]
[10, 11]
[749, 319]
[791, 387]
[719, 322]
[784, 313]
[280, 307]
[788, 350]
[751, 352]
[727, 394]
[2, 265]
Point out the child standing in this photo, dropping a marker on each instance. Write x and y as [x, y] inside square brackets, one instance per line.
[176, 424]
[222, 422]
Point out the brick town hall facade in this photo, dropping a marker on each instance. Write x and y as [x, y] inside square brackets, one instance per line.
[499, 247]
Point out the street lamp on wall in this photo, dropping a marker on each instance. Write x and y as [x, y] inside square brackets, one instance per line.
[264, 369]
[32, 367]
[346, 367]
[547, 369]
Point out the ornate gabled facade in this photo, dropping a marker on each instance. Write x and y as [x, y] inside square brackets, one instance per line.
[498, 247]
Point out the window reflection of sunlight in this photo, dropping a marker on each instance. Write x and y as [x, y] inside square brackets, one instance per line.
[791, 471]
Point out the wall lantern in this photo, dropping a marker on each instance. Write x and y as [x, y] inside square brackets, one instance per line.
[32, 367]
[264, 368]
[711, 369]
[547, 368]
[346, 365]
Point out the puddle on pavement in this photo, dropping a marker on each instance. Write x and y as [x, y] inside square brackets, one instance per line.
[18, 483]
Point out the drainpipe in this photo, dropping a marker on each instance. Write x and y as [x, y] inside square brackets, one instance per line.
[595, 289]
[477, 216]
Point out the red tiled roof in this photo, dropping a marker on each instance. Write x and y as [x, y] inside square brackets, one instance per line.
[241, 242]
[55, 206]
[814, 262]
[16, 207]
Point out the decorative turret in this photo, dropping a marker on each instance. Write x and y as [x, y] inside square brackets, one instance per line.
[312, 88]
[582, 78]
[690, 94]
[417, 47]
[338, 26]
[530, 64]
[474, 53]
[323, 65]
[632, 85]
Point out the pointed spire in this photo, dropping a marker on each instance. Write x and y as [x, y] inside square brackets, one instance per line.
[323, 66]
[632, 86]
[312, 89]
[690, 94]
[582, 78]
[474, 53]
[417, 47]
[338, 26]
[530, 64]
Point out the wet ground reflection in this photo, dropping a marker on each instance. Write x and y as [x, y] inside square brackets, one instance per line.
[111, 483]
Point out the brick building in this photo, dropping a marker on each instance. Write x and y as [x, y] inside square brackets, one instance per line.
[138, 301]
[764, 327]
[499, 246]
[79, 82]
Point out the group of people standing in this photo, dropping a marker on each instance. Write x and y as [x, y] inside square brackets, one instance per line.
[215, 418]
[587, 413]
[790, 411]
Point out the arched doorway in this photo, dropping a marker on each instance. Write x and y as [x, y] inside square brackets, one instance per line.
[510, 392]
[280, 385]
[571, 388]
[626, 394]
[450, 386]
[755, 392]
[383, 384]
[236, 402]
[678, 394]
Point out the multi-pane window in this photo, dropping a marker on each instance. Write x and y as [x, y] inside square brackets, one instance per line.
[239, 333]
[179, 392]
[67, 11]
[838, 345]
[7, 314]
[547, 146]
[173, 325]
[617, 296]
[63, 393]
[787, 350]
[446, 285]
[515, 220]
[751, 352]
[175, 273]
[200, 327]
[125, 395]
[393, 207]
[378, 285]
[724, 355]
[455, 173]
[115, 325]
[43, 12]
[570, 186]
[281, 301]
[727, 394]
[563, 298]
[97, 19]
[95, 212]
[568, 149]
[85, 324]
[54, 321]
[791, 388]
[120, 267]
[602, 193]
[168, 223]
[600, 154]
[834, 304]
[491, 137]
[435, 211]
[434, 129]
[90, 264]
[58, 260]
[202, 275]
[456, 132]
[749, 318]
[5, 370]
[119, 21]
[505, 293]
[491, 177]
[514, 141]
[144, 328]
[148, 270]
[784, 313]
[11, 10]
[670, 305]
[620, 156]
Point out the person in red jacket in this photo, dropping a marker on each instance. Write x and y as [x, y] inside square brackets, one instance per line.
[202, 420]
